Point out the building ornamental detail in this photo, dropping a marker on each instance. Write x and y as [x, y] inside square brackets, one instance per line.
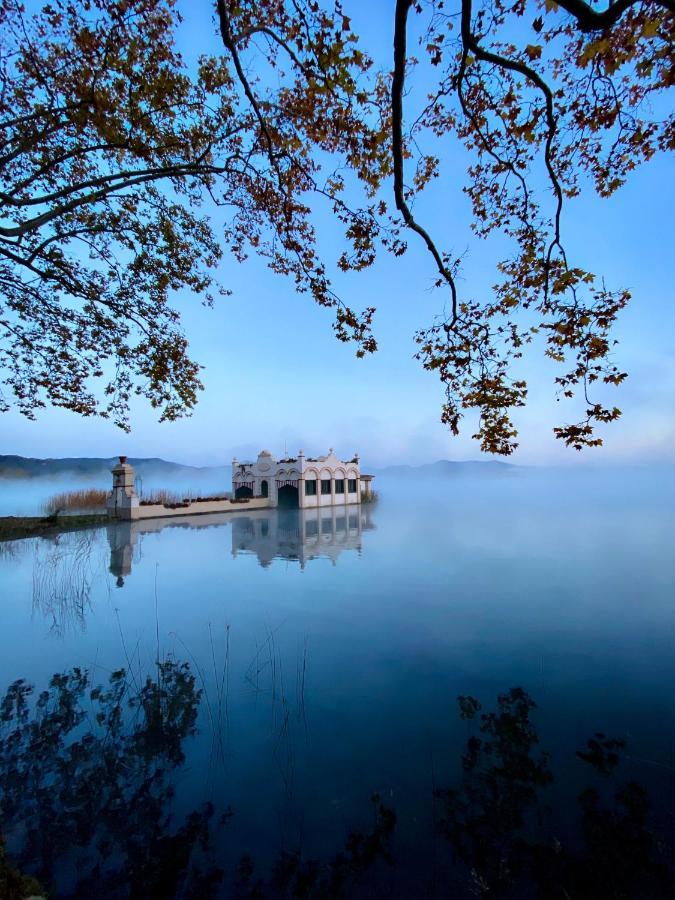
[300, 481]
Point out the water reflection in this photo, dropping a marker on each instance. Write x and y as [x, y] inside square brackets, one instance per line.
[65, 568]
[88, 786]
[300, 534]
[125, 538]
[341, 682]
[297, 535]
[501, 826]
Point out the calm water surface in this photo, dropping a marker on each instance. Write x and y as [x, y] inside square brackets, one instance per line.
[300, 676]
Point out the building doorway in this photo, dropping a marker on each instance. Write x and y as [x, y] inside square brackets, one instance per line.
[264, 488]
[243, 491]
[288, 497]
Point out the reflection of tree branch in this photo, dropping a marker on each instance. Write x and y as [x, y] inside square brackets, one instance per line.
[295, 876]
[86, 789]
[89, 784]
[493, 821]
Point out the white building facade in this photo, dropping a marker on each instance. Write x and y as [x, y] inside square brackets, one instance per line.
[302, 481]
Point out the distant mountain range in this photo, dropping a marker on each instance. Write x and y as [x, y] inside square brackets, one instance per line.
[82, 466]
[27, 467]
[446, 468]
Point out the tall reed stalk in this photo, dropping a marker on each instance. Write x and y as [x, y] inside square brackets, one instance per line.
[67, 501]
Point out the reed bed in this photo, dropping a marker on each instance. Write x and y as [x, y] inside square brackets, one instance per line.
[95, 499]
[71, 501]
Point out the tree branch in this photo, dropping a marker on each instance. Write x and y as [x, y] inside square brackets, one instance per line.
[470, 42]
[111, 183]
[397, 85]
[589, 19]
[228, 41]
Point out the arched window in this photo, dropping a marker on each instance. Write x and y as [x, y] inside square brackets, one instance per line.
[264, 489]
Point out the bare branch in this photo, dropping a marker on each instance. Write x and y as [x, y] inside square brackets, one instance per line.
[397, 86]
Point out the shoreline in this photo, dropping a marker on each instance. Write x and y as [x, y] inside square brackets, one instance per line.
[16, 528]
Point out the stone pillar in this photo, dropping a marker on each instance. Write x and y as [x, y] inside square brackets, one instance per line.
[358, 477]
[122, 500]
[301, 478]
[367, 487]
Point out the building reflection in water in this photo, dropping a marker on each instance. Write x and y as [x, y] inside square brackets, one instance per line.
[292, 534]
[300, 534]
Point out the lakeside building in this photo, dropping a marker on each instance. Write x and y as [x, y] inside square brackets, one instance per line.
[302, 481]
[299, 482]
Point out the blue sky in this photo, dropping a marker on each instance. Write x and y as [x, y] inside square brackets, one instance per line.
[275, 375]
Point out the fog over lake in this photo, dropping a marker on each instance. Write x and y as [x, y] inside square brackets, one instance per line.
[330, 649]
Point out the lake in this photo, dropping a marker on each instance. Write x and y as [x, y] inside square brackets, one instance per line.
[266, 704]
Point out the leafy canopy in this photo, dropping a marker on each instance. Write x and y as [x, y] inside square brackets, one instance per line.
[112, 149]
[566, 104]
[117, 158]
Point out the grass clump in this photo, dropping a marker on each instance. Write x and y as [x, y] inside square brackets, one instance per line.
[67, 501]
[161, 496]
[164, 497]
